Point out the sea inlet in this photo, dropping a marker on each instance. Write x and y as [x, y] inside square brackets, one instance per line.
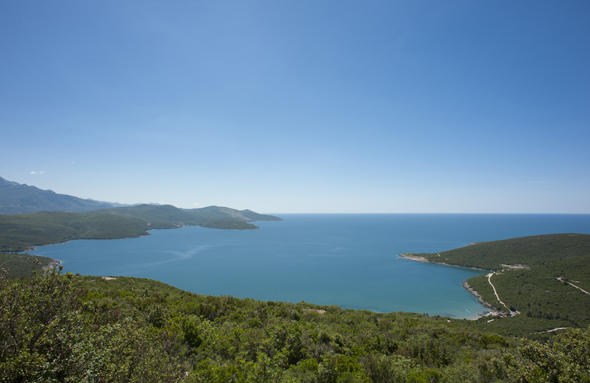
[350, 260]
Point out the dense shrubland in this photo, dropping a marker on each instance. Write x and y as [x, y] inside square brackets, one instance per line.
[533, 250]
[65, 328]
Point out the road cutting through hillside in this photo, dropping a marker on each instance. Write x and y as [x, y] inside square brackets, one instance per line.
[512, 313]
[560, 279]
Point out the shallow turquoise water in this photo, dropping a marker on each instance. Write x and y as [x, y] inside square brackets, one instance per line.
[346, 260]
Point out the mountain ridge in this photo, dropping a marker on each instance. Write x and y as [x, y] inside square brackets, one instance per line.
[16, 198]
[30, 216]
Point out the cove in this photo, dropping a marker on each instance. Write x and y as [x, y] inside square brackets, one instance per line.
[346, 260]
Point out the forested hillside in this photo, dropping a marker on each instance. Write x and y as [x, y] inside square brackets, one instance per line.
[543, 280]
[71, 328]
[21, 231]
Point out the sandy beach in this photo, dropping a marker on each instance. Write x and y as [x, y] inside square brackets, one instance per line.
[416, 258]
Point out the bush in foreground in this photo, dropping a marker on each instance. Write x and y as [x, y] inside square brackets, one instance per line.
[63, 328]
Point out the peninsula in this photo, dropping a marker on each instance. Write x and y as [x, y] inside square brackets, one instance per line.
[19, 232]
[534, 283]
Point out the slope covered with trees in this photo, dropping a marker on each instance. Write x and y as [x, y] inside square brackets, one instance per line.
[535, 276]
[532, 250]
[168, 216]
[71, 328]
[21, 231]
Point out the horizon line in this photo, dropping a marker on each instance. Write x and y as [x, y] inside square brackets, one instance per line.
[425, 213]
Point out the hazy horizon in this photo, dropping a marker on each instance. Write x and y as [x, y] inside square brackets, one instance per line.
[376, 107]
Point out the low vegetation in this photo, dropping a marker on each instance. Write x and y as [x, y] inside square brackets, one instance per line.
[22, 231]
[66, 328]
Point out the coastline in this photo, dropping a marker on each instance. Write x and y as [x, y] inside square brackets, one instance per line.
[28, 250]
[413, 257]
[55, 263]
[493, 311]
[419, 258]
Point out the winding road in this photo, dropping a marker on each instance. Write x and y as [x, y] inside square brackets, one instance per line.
[512, 313]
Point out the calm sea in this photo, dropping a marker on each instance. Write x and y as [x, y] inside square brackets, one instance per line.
[346, 260]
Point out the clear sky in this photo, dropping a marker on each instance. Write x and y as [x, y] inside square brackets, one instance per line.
[301, 105]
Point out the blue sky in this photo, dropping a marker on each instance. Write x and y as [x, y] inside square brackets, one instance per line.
[301, 106]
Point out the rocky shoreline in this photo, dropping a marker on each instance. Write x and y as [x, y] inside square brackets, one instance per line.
[413, 257]
[493, 310]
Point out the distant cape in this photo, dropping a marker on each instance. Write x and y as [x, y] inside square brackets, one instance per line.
[30, 216]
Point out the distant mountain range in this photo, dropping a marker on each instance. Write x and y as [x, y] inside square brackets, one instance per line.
[168, 216]
[18, 198]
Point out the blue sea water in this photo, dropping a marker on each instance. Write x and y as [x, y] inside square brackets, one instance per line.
[346, 260]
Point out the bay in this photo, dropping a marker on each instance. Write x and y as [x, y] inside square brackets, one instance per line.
[350, 260]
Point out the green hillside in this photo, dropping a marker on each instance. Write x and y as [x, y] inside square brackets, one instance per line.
[531, 250]
[70, 328]
[526, 279]
[222, 213]
[22, 231]
[168, 216]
